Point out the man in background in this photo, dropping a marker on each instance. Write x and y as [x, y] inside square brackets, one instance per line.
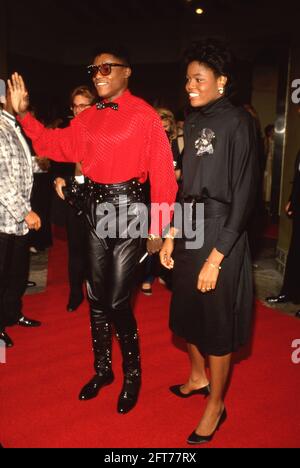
[290, 291]
[82, 98]
[16, 219]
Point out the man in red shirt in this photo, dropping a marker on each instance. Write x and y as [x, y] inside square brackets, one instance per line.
[120, 142]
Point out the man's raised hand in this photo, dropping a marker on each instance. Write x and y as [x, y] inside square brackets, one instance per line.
[19, 94]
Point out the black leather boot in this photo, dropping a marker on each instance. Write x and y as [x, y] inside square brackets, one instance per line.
[101, 335]
[132, 372]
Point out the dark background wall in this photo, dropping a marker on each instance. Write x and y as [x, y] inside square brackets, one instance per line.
[51, 42]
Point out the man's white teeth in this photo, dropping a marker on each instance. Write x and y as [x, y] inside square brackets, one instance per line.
[194, 95]
[101, 84]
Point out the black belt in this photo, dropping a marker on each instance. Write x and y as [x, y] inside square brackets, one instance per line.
[112, 193]
[212, 208]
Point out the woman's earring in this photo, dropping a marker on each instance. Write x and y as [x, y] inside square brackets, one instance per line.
[221, 91]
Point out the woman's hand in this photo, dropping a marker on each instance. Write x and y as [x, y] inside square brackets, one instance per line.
[209, 274]
[59, 183]
[166, 254]
[207, 279]
[19, 94]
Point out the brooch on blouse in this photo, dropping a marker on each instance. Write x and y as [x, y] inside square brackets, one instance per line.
[206, 142]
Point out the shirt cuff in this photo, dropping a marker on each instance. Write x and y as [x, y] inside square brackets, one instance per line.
[24, 119]
[160, 219]
[226, 241]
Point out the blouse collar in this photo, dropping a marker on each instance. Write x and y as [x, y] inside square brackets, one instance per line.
[215, 107]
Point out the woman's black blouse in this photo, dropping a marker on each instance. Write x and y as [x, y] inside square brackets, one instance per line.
[220, 162]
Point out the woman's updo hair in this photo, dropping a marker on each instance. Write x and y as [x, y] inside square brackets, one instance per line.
[215, 55]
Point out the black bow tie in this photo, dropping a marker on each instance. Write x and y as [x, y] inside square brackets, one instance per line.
[104, 105]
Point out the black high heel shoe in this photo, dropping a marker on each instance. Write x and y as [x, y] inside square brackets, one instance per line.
[195, 438]
[6, 339]
[200, 391]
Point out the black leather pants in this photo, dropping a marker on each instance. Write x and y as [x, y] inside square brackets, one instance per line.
[111, 271]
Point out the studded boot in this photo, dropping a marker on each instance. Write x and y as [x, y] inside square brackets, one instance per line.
[132, 372]
[102, 342]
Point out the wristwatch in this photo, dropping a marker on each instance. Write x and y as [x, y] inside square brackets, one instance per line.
[152, 237]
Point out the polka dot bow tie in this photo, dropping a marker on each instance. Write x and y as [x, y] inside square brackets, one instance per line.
[104, 105]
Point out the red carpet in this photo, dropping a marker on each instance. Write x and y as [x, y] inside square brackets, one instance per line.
[271, 231]
[47, 367]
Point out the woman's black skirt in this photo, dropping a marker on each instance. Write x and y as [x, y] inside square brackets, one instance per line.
[217, 322]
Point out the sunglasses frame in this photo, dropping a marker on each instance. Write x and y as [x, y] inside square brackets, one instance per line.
[93, 70]
[80, 106]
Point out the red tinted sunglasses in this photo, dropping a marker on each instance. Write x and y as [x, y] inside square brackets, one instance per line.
[104, 68]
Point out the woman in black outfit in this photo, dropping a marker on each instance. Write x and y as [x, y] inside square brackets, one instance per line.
[212, 299]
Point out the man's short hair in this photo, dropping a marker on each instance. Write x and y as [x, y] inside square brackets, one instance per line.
[116, 50]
